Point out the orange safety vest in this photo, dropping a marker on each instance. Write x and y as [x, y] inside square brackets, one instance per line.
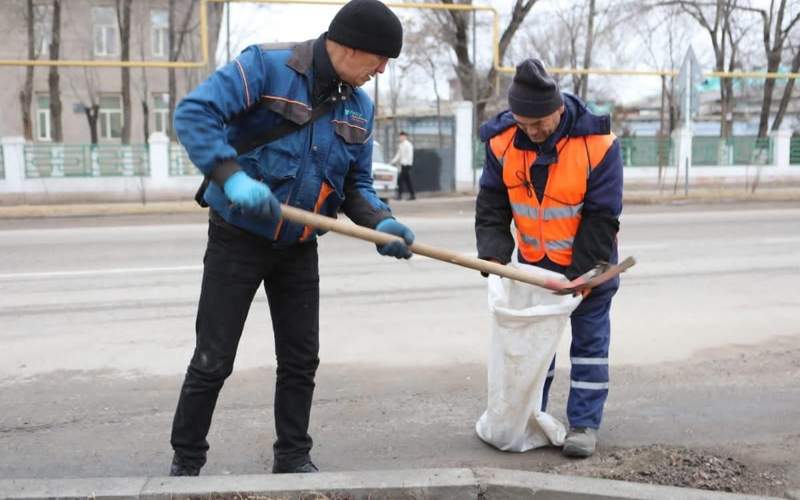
[549, 228]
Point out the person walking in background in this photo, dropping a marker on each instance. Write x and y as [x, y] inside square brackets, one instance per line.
[404, 158]
[555, 169]
[321, 165]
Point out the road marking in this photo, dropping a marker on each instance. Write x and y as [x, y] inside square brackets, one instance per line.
[98, 272]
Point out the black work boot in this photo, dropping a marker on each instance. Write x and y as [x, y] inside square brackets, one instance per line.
[182, 468]
[304, 468]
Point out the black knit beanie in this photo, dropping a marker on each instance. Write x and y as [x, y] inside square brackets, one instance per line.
[367, 25]
[533, 93]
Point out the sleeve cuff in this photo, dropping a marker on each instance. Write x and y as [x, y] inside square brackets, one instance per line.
[224, 170]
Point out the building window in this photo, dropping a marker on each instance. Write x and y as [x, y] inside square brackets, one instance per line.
[42, 29]
[111, 117]
[43, 118]
[159, 22]
[161, 112]
[106, 34]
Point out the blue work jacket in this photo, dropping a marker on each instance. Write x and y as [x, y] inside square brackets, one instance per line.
[321, 166]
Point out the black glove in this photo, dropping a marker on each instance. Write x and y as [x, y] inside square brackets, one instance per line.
[593, 244]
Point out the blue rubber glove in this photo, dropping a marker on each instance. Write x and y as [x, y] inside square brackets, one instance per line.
[251, 196]
[396, 249]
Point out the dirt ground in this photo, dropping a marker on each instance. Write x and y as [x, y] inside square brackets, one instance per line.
[677, 466]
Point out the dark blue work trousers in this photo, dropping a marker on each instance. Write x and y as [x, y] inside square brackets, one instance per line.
[591, 335]
[236, 263]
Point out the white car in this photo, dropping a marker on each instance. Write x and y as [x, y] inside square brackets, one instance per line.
[384, 176]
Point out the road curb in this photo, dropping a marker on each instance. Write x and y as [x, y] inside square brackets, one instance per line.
[445, 484]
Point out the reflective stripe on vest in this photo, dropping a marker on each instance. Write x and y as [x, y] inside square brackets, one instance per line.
[534, 242]
[525, 210]
[563, 212]
[548, 228]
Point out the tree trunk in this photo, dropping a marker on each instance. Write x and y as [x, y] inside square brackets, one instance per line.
[465, 69]
[215, 11]
[766, 102]
[53, 79]
[587, 54]
[124, 21]
[92, 112]
[146, 119]
[787, 93]
[26, 94]
[176, 38]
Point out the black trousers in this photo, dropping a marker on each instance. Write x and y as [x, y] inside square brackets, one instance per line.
[405, 180]
[235, 265]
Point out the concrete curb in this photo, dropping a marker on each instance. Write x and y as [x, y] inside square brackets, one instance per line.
[446, 484]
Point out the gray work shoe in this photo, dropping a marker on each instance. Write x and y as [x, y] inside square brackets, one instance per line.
[580, 442]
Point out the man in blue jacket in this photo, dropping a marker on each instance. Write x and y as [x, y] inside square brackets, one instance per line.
[555, 169]
[321, 166]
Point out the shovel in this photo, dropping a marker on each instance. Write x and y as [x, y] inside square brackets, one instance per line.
[587, 281]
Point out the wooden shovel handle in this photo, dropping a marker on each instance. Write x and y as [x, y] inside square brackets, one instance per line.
[306, 218]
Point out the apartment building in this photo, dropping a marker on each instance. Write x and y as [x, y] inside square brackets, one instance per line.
[90, 31]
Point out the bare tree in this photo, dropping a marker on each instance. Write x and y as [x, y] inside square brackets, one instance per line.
[26, 94]
[143, 87]
[215, 11]
[88, 100]
[775, 35]
[665, 40]
[417, 44]
[453, 27]
[571, 20]
[124, 24]
[787, 91]
[717, 19]
[177, 35]
[583, 82]
[53, 79]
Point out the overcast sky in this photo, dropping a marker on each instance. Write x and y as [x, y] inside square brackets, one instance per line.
[258, 23]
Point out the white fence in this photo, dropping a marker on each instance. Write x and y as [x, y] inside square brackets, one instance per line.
[160, 170]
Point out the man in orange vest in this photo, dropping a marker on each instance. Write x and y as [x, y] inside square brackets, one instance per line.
[555, 169]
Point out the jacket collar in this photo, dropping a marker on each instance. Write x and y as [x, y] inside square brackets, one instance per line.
[302, 57]
[326, 81]
[302, 60]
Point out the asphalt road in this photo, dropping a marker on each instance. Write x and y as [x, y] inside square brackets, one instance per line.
[96, 329]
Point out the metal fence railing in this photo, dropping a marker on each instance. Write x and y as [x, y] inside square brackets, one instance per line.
[739, 150]
[478, 154]
[86, 160]
[179, 162]
[646, 151]
[794, 151]
[636, 152]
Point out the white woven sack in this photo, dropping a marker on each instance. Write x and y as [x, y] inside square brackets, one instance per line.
[527, 323]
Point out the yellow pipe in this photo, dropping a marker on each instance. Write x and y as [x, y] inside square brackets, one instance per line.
[634, 72]
[750, 74]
